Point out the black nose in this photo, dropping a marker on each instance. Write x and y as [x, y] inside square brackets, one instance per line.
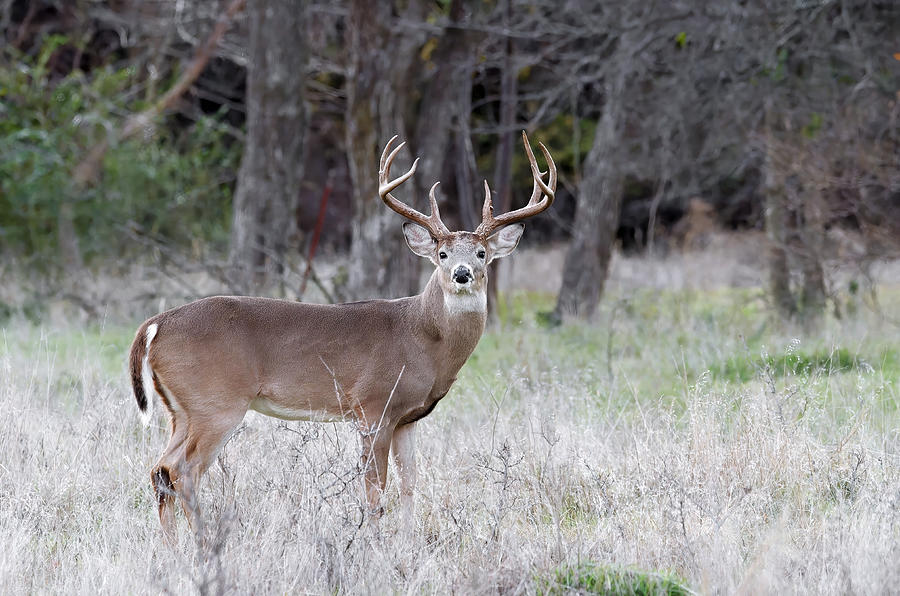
[462, 275]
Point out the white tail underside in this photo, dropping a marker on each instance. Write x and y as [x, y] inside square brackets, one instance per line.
[147, 376]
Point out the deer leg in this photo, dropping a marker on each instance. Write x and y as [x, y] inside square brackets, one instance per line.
[163, 478]
[376, 447]
[187, 493]
[403, 445]
[164, 488]
[206, 437]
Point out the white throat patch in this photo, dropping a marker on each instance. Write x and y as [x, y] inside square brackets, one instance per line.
[465, 302]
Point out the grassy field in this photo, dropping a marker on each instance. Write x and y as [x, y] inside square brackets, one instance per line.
[683, 442]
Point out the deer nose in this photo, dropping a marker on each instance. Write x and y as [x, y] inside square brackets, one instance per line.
[462, 274]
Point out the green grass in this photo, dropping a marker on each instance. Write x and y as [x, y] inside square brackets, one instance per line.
[74, 359]
[594, 578]
[652, 349]
[741, 368]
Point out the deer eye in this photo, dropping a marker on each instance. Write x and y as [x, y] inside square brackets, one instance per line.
[442, 255]
[480, 254]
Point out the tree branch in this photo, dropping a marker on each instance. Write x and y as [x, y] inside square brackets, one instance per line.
[86, 171]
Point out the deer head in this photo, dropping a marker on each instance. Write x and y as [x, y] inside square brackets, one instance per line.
[461, 258]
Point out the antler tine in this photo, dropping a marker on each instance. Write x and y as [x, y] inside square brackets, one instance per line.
[539, 186]
[433, 222]
[489, 223]
[384, 154]
[435, 213]
[549, 188]
[384, 168]
[487, 210]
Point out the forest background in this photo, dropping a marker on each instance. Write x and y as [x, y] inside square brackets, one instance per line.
[243, 139]
[690, 382]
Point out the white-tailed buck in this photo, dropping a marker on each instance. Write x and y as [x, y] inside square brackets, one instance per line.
[380, 364]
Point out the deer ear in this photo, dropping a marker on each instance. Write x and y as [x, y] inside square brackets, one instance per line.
[505, 241]
[419, 240]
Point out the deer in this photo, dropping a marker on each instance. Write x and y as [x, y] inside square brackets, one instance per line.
[381, 365]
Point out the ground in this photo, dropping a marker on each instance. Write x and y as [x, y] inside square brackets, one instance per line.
[684, 439]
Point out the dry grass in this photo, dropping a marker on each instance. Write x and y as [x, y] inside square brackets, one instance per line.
[610, 444]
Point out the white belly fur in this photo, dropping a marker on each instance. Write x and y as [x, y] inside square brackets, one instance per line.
[264, 406]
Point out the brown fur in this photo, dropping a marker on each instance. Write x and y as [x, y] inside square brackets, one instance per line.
[381, 364]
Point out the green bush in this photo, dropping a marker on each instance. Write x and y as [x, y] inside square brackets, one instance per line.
[175, 183]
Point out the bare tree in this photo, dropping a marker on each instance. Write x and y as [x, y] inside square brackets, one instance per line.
[785, 109]
[379, 59]
[597, 212]
[266, 197]
[503, 162]
[813, 77]
[632, 77]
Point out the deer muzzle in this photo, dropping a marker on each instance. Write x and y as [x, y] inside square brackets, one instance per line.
[462, 274]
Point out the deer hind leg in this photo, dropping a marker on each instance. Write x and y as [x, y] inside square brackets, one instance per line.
[206, 437]
[164, 489]
[403, 446]
[163, 479]
[193, 446]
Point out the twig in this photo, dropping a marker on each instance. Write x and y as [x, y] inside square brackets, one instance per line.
[314, 242]
[180, 261]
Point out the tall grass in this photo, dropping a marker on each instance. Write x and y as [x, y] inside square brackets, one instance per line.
[563, 459]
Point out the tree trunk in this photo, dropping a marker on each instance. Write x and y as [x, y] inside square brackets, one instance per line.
[438, 106]
[465, 169]
[813, 293]
[596, 214]
[381, 266]
[795, 229]
[266, 199]
[777, 224]
[503, 169]
[438, 110]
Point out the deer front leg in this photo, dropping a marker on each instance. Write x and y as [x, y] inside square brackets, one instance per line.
[376, 446]
[403, 445]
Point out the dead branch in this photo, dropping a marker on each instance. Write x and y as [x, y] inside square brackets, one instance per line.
[86, 171]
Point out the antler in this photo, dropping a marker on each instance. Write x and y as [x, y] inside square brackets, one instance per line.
[490, 224]
[433, 222]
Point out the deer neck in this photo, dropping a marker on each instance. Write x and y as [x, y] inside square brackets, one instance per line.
[456, 317]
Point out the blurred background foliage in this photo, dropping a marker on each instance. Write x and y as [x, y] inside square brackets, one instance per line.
[174, 183]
